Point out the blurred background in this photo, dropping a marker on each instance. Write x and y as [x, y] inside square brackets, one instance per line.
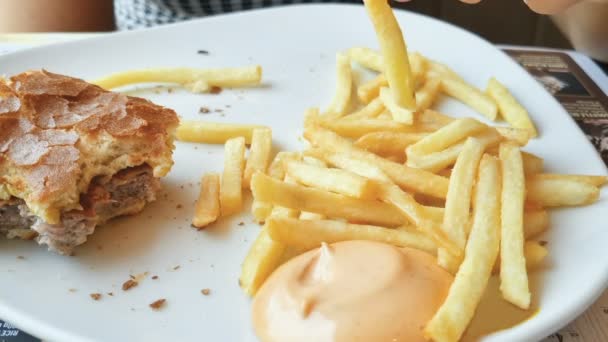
[583, 26]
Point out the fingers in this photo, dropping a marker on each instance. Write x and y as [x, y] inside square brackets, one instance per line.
[549, 6]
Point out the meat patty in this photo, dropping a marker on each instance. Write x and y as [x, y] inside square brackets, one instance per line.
[125, 193]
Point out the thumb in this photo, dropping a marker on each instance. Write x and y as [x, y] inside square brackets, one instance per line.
[549, 6]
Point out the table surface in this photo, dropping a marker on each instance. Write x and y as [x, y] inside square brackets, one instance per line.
[591, 326]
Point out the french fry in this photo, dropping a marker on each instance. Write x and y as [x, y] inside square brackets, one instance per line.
[446, 136]
[535, 223]
[407, 178]
[294, 196]
[432, 118]
[454, 315]
[435, 161]
[220, 77]
[333, 180]
[513, 274]
[511, 110]
[264, 256]
[399, 113]
[418, 65]
[371, 89]
[367, 57]
[207, 208]
[470, 96]
[394, 52]
[414, 212]
[310, 160]
[231, 195]
[532, 164]
[440, 70]
[344, 162]
[344, 84]
[259, 154]
[370, 111]
[458, 201]
[427, 94]
[213, 132]
[307, 235]
[306, 215]
[560, 192]
[591, 180]
[387, 144]
[358, 128]
[261, 210]
[520, 136]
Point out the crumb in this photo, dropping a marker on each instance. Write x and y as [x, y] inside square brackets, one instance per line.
[154, 277]
[132, 309]
[176, 267]
[241, 223]
[218, 110]
[99, 247]
[72, 290]
[190, 184]
[202, 52]
[206, 292]
[157, 304]
[181, 187]
[20, 257]
[111, 294]
[179, 206]
[132, 276]
[175, 217]
[240, 283]
[215, 90]
[95, 296]
[204, 110]
[227, 106]
[129, 284]
[542, 243]
[169, 90]
[196, 147]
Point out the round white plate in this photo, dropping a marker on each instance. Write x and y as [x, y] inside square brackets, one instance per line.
[48, 294]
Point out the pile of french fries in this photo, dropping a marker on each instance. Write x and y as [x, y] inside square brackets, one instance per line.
[394, 171]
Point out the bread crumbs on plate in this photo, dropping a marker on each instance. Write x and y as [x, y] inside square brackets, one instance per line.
[176, 267]
[129, 284]
[204, 110]
[111, 294]
[95, 296]
[206, 292]
[157, 304]
[215, 90]
[154, 277]
[20, 257]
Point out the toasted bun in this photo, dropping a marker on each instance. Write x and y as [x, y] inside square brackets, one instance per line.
[58, 132]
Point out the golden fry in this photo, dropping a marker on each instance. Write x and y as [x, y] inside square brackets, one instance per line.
[470, 96]
[513, 273]
[407, 178]
[221, 77]
[560, 192]
[371, 89]
[333, 180]
[394, 52]
[387, 144]
[470, 282]
[370, 111]
[367, 57]
[446, 136]
[591, 180]
[511, 110]
[307, 235]
[294, 196]
[458, 201]
[213, 132]
[231, 195]
[259, 154]
[207, 208]
[344, 84]
[264, 256]
[399, 113]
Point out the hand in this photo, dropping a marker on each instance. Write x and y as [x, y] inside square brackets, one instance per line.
[539, 6]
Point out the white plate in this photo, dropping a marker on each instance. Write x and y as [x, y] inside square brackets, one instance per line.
[296, 45]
